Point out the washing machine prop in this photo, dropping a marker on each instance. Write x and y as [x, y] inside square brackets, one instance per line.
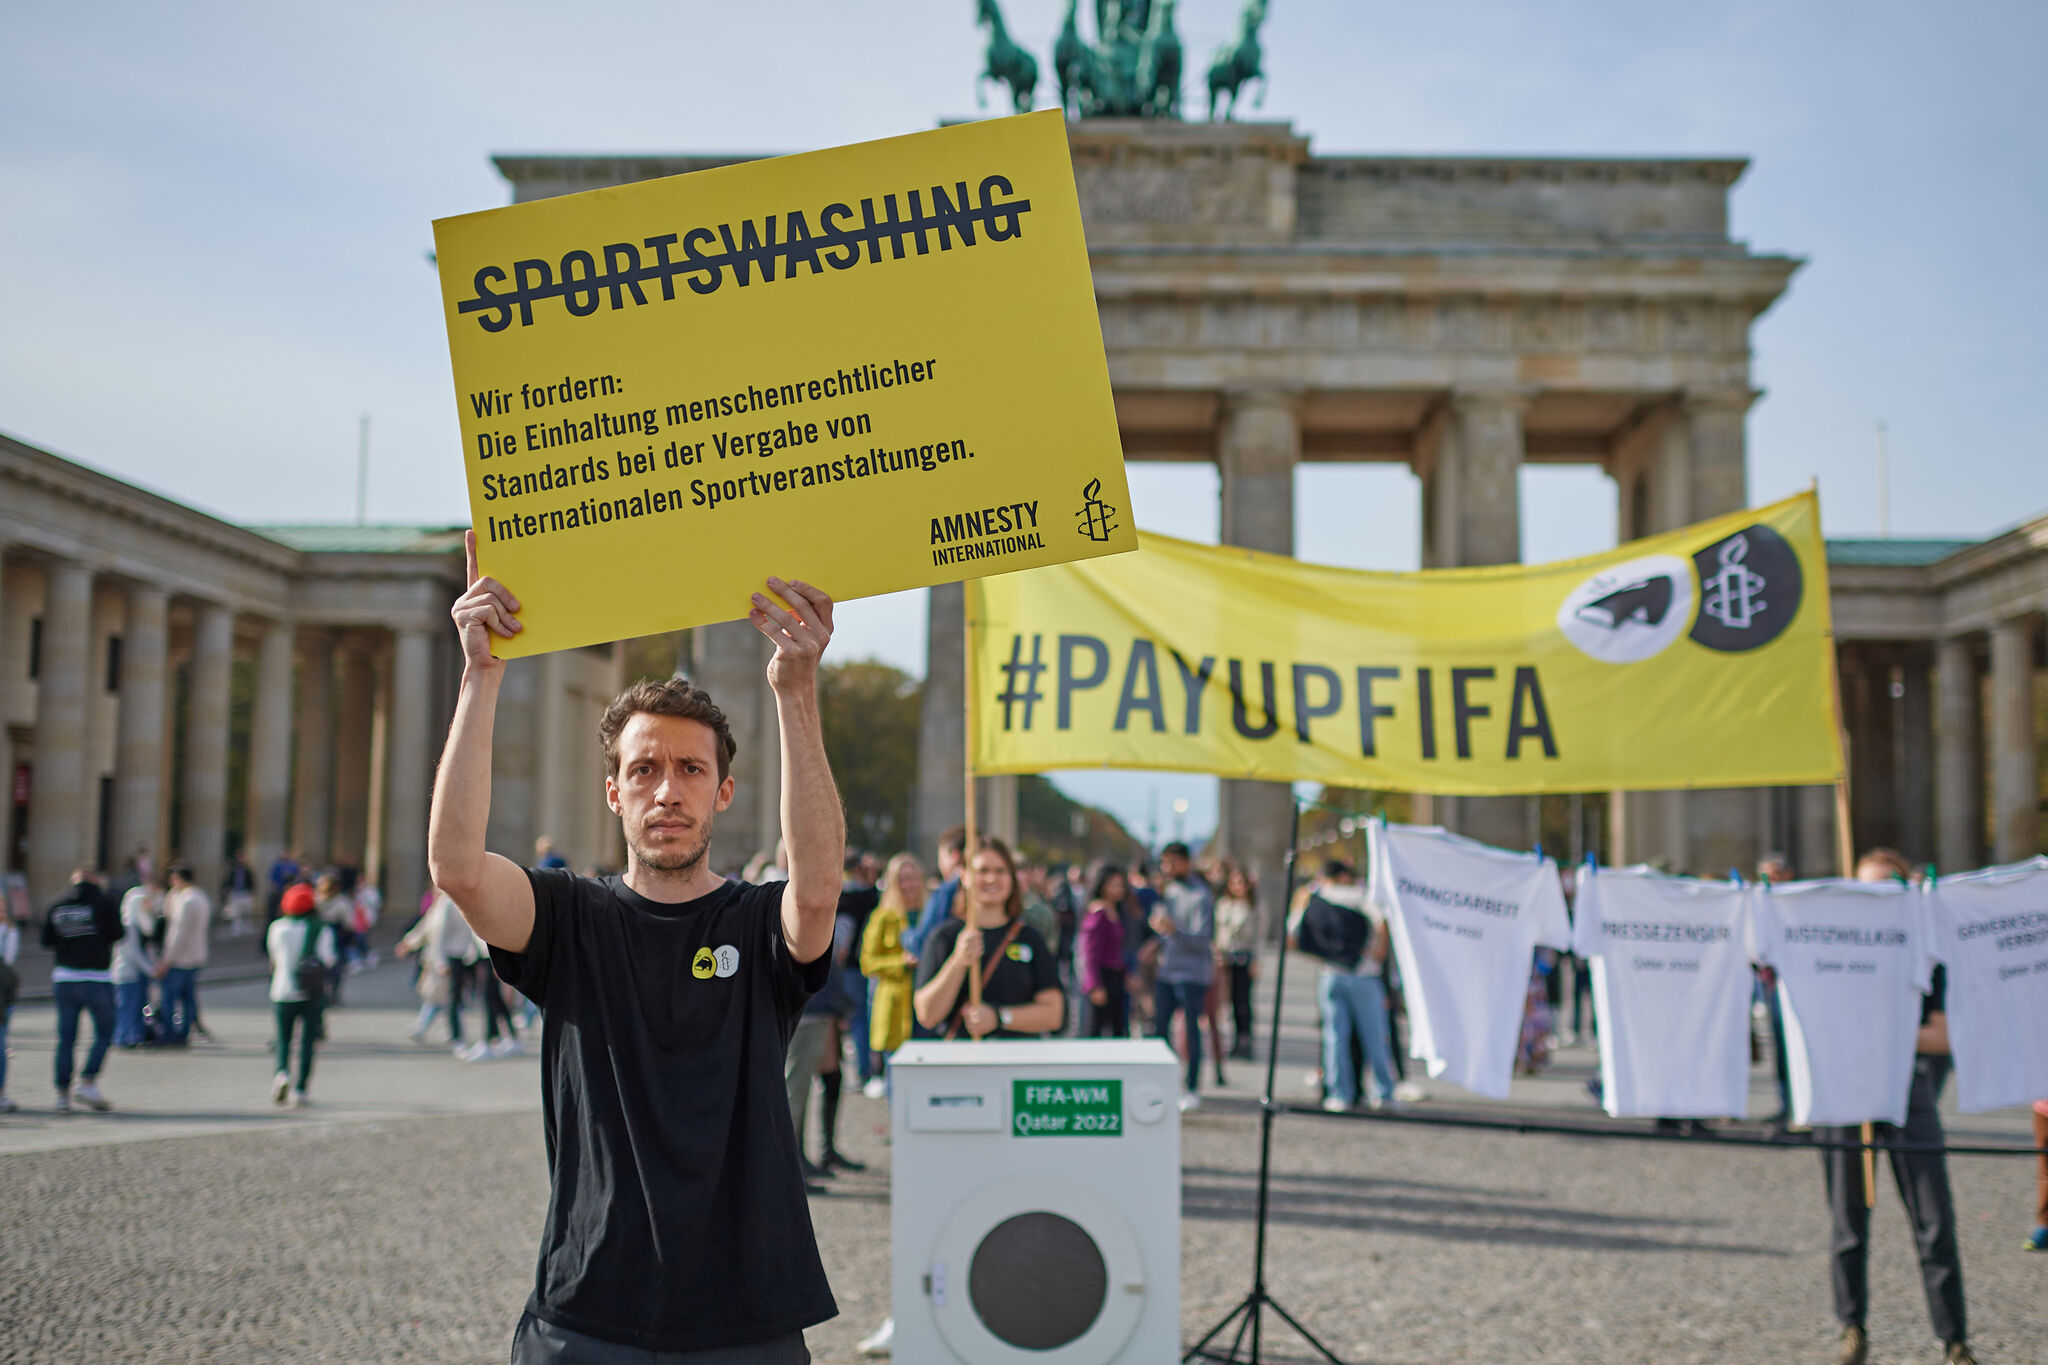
[1035, 1202]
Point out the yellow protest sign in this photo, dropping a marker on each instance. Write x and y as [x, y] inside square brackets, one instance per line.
[1699, 658]
[872, 368]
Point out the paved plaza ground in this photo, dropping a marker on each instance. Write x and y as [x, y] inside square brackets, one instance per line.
[397, 1219]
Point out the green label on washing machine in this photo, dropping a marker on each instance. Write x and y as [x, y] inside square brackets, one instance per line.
[1067, 1108]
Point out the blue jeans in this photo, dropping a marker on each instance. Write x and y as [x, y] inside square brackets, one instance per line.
[97, 999]
[855, 988]
[129, 998]
[1187, 997]
[180, 1002]
[1354, 1006]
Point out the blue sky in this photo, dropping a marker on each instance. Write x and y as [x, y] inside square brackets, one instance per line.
[216, 219]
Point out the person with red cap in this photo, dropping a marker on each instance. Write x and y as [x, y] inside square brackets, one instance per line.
[302, 952]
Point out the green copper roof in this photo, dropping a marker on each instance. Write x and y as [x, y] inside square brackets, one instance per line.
[347, 538]
[1907, 552]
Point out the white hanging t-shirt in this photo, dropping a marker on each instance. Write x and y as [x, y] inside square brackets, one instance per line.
[1852, 961]
[1990, 929]
[1671, 990]
[1465, 920]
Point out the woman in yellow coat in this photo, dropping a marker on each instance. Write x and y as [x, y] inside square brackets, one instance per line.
[884, 961]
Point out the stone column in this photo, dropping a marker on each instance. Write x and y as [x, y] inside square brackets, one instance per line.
[730, 661]
[357, 704]
[2015, 770]
[554, 774]
[203, 828]
[270, 751]
[1476, 518]
[514, 760]
[1871, 714]
[941, 725]
[409, 761]
[1959, 776]
[1258, 448]
[139, 735]
[1916, 757]
[380, 766]
[57, 788]
[313, 784]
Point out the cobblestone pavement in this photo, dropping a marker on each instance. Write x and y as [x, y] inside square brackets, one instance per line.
[330, 1237]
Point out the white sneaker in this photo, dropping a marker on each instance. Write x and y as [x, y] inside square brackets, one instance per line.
[7, 1106]
[278, 1085]
[476, 1052]
[88, 1094]
[1333, 1105]
[460, 1049]
[1190, 1102]
[63, 1104]
[299, 1100]
[876, 1089]
[507, 1047]
[878, 1344]
[1408, 1092]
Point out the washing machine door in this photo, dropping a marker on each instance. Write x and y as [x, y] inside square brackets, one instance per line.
[1044, 1272]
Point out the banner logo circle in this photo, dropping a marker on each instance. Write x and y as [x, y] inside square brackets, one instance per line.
[1629, 612]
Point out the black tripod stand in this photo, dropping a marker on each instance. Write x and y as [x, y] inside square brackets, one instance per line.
[1249, 1315]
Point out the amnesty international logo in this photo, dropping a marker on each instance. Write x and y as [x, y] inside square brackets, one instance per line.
[1750, 588]
[1097, 517]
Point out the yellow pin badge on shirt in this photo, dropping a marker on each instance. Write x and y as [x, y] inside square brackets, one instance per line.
[703, 964]
[1019, 952]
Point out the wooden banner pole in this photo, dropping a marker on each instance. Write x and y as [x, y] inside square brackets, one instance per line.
[1845, 860]
[967, 685]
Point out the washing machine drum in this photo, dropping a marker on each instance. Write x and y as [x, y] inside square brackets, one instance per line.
[1043, 1271]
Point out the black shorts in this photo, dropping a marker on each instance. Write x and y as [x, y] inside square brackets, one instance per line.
[535, 1342]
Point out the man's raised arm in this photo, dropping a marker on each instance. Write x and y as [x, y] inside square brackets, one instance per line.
[813, 822]
[492, 892]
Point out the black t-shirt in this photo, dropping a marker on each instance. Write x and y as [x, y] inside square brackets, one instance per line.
[677, 1219]
[1025, 968]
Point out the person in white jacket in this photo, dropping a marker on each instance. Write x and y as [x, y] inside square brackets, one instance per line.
[134, 963]
[448, 955]
[286, 942]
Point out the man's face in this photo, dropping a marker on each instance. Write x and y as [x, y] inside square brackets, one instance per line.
[870, 869]
[667, 790]
[949, 863]
[1173, 866]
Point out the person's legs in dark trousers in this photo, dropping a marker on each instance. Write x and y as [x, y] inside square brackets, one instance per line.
[458, 982]
[855, 987]
[99, 1003]
[179, 1000]
[1111, 1018]
[495, 1009]
[285, 1014]
[309, 1036]
[1169, 997]
[1242, 1026]
[70, 1000]
[128, 1000]
[1849, 1219]
[1922, 1178]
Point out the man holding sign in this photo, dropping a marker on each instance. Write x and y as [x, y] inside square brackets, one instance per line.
[677, 1228]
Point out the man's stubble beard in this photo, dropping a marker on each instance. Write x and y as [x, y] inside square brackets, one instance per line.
[672, 860]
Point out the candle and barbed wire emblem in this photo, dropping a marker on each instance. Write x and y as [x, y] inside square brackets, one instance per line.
[1097, 517]
[1750, 588]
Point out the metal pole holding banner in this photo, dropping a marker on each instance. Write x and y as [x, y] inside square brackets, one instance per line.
[967, 758]
[1250, 1311]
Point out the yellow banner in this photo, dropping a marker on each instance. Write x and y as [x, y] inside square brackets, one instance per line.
[871, 368]
[1699, 658]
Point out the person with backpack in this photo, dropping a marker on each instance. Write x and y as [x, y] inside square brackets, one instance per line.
[302, 952]
[1333, 924]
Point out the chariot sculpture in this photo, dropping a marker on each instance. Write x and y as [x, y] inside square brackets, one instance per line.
[1132, 69]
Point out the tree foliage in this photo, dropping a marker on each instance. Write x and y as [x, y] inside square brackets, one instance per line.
[870, 713]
